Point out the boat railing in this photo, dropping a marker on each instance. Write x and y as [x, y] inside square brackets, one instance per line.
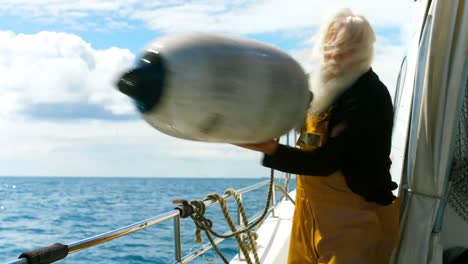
[56, 252]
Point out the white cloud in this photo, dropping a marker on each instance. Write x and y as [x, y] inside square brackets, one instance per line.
[8, 103]
[266, 16]
[50, 67]
[226, 16]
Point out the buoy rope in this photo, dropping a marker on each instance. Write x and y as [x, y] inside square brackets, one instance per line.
[245, 237]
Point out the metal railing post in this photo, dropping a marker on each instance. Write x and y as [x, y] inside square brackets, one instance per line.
[273, 200]
[177, 239]
[241, 223]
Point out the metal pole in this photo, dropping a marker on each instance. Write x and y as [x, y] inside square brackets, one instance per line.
[287, 176]
[273, 197]
[241, 223]
[104, 237]
[99, 239]
[177, 239]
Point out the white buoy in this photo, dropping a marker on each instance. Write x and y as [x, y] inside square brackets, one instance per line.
[214, 88]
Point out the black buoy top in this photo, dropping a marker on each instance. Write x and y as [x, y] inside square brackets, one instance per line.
[144, 84]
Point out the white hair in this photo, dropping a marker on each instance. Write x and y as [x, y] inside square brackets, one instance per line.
[345, 50]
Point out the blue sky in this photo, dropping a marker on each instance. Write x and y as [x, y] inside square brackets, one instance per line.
[61, 116]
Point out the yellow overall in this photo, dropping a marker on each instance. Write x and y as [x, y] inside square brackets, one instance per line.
[331, 223]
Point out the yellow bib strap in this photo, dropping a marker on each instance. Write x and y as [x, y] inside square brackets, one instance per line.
[315, 132]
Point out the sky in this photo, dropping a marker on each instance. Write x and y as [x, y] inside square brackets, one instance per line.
[60, 114]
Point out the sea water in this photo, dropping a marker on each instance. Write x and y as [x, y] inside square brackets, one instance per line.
[40, 211]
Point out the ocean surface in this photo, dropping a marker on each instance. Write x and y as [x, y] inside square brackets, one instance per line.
[40, 211]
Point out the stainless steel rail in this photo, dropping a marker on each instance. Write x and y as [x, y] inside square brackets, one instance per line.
[174, 214]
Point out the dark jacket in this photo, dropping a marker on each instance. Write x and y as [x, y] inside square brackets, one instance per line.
[361, 151]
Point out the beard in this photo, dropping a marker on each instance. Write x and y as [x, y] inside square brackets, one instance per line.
[332, 78]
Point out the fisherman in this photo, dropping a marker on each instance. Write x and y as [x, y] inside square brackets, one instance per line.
[345, 209]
